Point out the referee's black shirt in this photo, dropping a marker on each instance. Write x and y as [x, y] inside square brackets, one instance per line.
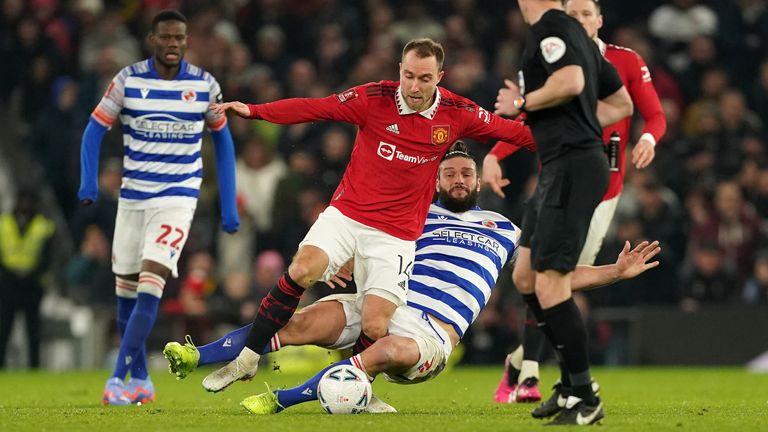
[556, 41]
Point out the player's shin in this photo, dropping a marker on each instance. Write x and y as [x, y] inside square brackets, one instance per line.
[274, 312]
[125, 290]
[571, 340]
[140, 324]
[535, 308]
[229, 346]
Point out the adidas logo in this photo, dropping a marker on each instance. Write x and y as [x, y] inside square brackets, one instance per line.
[393, 128]
[227, 342]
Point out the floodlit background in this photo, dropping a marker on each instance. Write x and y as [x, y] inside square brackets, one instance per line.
[705, 197]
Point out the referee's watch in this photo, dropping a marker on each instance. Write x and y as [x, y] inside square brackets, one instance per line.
[519, 103]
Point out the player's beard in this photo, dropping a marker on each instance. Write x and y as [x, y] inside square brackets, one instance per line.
[458, 205]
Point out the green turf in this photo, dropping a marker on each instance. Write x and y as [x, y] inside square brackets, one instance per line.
[646, 399]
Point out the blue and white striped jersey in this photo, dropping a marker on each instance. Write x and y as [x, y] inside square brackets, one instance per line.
[458, 259]
[163, 122]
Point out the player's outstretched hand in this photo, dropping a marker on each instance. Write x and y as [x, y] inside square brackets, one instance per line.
[491, 175]
[643, 153]
[632, 263]
[505, 100]
[239, 108]
[343, 276]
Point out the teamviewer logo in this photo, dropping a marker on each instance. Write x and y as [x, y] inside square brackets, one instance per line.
[387, 151]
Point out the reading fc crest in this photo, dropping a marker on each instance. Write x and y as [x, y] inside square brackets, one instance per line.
[188, 96]
[440, 134]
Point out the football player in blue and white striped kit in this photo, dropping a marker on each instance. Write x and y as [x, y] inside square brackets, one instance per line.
[163, 106]
[458, 259]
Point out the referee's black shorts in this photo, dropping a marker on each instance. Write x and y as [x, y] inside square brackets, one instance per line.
[557, 218]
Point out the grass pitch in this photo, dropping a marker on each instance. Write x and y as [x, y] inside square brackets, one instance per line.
[636, 399]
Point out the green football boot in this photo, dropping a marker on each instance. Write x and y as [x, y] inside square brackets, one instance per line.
[182, 359]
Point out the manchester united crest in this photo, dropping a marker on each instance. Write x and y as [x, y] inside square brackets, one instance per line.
[440, 134]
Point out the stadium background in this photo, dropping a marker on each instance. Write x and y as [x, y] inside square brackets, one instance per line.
[705, 197]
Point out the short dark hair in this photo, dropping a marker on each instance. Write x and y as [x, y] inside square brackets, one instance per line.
[167, 15]
[596, 2]
[458, 149]
[426, 47]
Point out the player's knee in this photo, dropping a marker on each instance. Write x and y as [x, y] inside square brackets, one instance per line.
[550, 295]
[391, 352]
[302, 273]
[308, 265]
[524, 280]
[375, 327]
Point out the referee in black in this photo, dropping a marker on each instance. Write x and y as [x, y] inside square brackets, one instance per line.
[568, 90]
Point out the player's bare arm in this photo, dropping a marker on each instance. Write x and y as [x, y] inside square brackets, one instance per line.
[615, 107]
[629, 264]
[564, 84]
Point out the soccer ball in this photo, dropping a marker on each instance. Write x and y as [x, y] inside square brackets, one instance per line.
[344, 389]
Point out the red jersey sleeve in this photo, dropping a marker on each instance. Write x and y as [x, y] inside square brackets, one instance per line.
[503, 149]
[482, 125]
[349, 106]
[646, 100]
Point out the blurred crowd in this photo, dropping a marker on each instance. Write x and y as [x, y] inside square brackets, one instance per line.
[705, 197]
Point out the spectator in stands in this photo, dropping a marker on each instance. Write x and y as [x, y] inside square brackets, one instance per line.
[334, 54]
[417, 22]
[682, 21]
[714, 82]
[335, 148]
[102, 213]
[25, 257]
[661, 214]
[733, 227]
[708, 280]
[198, 284]
[235, 303]
[36, 63]
[759, 96]
[90, 270]
[109, 31]
[755, 291]
[55, 140]
[760, 197]
[690, 67]
[267, 269]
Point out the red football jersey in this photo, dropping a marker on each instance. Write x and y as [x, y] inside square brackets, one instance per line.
[390, 179]
[637, 79]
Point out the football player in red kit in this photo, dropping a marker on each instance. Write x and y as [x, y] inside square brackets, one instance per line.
[380, 206]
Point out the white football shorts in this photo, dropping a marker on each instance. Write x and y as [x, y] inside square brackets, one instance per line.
[156, 234]
[433, 342]
[598, 227]
[383, 262]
